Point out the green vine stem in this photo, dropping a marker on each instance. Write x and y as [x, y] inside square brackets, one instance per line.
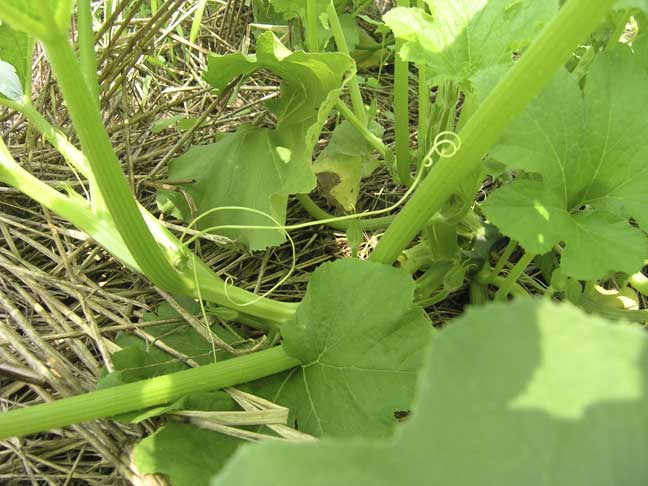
[504, 257]
[102, 228]
[340, 42]
[312, 37]
[520, 85]
[424, 104]
[318, 213]
[107, 171]
[401, 110]
[513, 276]
[143, 394]
[87, 55]
[362, 129]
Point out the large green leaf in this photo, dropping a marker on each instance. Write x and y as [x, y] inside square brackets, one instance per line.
[531, 393]
[460, 37]
[589, 147]
[361, 339]
[256, 167]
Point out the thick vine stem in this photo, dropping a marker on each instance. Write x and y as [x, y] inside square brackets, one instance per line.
[107, 171]
[401, 110]
[520, 85]
[102, 229]
[143, 394]
[87, 55]
[340, 41]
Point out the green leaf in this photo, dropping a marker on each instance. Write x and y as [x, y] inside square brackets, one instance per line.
[641, 4]
[254, 167]
[460, 37]
[531, 393]
[41, 13]
[186, 454]
[9, 82]
[140, 360]
[589, 149]
[361, 340]
[15, 52]
[343, 163]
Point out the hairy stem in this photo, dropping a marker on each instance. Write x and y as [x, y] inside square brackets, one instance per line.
[87, 55]
[143, 394]
[519, 86]
[401, 110]
[107, 171]
[362, 129]
[312, 38]
[424, 104]
[513, 276]
[340, 42]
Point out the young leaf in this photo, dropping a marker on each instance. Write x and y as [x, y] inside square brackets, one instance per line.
[259, 167]
[361, 339]
[529, 393]
[461, 37]
[588, 147]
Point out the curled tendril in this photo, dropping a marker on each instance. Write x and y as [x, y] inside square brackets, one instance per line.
[229, 281]
[448, 140]
[452, 145]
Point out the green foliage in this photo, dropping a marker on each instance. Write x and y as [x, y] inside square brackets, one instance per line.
[186, 454]
[343, 163]
[527, 393]
[15, 60]
[641, 4]
[361, 340]
[588, 149]
[258, 167]
[39, 15]
[140, 360]
[460, 37]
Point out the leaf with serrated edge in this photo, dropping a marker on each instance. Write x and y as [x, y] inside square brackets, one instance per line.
[460, 37]
[531, 393]
[588, 147]
[361, 340]
[258, 167]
